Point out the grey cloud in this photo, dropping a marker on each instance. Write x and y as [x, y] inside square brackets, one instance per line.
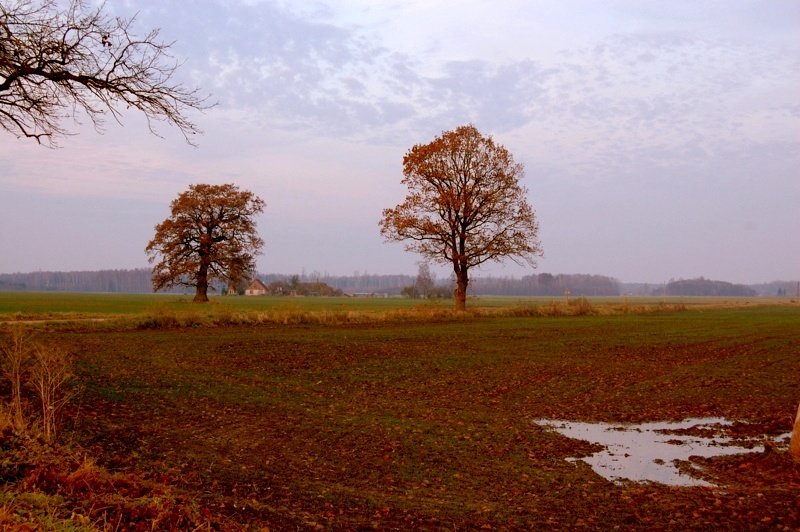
[302, 74]
[656, 90]
[497, 97]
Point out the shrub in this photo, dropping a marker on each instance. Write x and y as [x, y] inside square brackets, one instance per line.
[46, 370]
[16, 358]
[159, 318]
[51, 376]
[581, 307]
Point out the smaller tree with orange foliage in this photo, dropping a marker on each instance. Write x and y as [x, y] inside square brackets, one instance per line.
[465, 205]
[210, 235]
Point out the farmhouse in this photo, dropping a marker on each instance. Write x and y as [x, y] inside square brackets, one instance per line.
[256, 288]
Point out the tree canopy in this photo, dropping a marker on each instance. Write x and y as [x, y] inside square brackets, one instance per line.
[211, 234]
[57, 60]
[465, 205]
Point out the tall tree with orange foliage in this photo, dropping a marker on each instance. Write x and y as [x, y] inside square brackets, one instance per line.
[465, 205]
[210, 235]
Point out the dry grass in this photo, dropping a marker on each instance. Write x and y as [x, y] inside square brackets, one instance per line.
[51, 377]
[37, 373]
[164, 318]
[16, 357]
[78, 311]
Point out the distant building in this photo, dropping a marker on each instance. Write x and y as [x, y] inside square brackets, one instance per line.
[256, 288]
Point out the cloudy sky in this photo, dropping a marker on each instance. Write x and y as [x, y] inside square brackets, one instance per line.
[661, 139]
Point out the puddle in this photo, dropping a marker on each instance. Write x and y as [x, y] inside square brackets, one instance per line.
[649, 452]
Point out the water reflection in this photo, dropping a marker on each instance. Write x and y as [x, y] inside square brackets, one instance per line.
[651, 451]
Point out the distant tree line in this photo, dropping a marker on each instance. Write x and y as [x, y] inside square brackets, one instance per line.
[778, 288]
[426, 287]
[705, 287]
[295, 287]
[349, 284]
[547, 284]
[139, 281]
[128, 281]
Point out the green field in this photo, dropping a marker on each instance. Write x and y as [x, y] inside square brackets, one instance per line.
[416, 420]
[65, 305]
[26, 306]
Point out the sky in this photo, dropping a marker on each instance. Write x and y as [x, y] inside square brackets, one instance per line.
[660, 139]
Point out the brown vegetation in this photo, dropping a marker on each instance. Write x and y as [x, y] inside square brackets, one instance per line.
[58, 488]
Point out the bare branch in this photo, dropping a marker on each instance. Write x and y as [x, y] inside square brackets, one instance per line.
[63, 62]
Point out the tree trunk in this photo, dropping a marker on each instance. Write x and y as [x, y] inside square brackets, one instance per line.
[201, 292]
[794, 446]
[460, 293]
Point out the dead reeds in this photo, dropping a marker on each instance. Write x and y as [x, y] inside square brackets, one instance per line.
[37, 371]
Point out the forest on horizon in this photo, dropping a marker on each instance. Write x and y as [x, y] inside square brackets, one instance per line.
[138, 281]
